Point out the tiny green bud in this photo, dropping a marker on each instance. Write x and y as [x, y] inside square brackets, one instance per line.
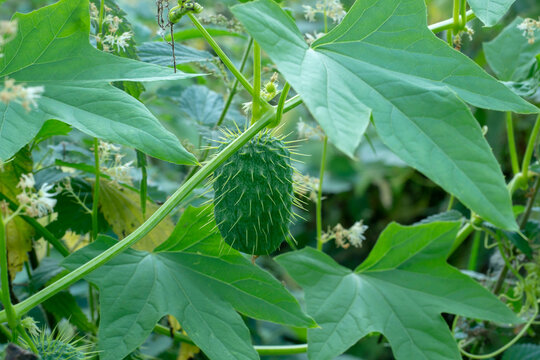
[270, 87]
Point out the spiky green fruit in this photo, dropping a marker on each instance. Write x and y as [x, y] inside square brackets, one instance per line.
[254, 196]
[58, 350]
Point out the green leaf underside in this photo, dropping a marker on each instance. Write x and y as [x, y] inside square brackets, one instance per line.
[490, 11]
[383, 61]
[196, 278]
[510, 55]
[52, 50]
[400, 290]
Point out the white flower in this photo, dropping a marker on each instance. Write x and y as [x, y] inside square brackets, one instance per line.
[26, 181]
[122, 40]
[529, 27]
[356, 233]
[30, 95]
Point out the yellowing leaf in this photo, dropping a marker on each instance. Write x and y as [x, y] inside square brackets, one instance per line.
[121, 208]
[187, 351]
[18, 232]
[19, 243]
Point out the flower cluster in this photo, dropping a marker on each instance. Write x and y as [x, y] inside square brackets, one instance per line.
[529, 27]
[331, 8]
[35, 203]
[111, 164]
[111, 38]
[458, 38]
[19, 93]
[346, 237]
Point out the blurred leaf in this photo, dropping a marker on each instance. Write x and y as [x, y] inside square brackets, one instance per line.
[202, 104]
[121, 208]
[522, 352]
[51, 49]
[490, 11]
[400, 290]
[378, 62]
[196, 278]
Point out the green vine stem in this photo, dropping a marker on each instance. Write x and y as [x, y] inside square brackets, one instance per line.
[95, 200]
[292, 103]
[281, 103]
[180, 194]
[463, 13]
[228, 63]
[234, 87]
[449, 23]
[512, 143]
[262, 350]
[319, 195]
[255, 108]
[455, 16]
[11, 314]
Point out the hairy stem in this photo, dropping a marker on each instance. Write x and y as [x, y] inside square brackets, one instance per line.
[180, 194]
[319, 195]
